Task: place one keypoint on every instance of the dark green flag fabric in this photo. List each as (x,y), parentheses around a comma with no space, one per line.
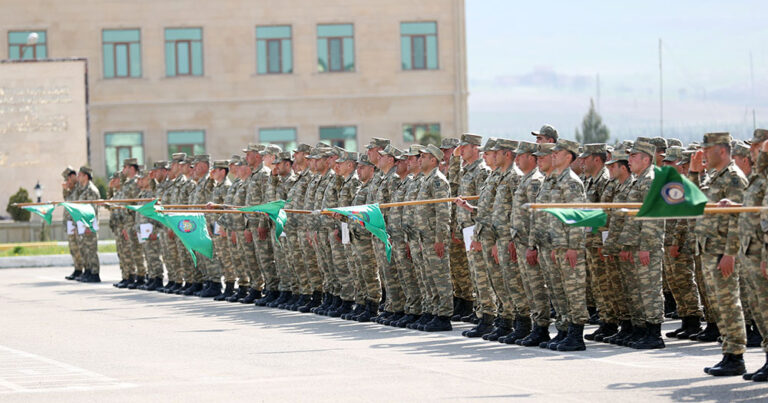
(370,217)
(45,211)
(81,212)
(275,212)
(672,196)
(579,218)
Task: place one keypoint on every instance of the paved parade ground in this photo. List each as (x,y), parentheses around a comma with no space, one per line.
(67,341)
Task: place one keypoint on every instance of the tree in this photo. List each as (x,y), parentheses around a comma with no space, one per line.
(433,138)
(17,213)
(592,128)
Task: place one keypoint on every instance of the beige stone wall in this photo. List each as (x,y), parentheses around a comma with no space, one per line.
(230,102)
(42,125)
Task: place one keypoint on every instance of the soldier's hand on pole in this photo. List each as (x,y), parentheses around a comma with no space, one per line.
(248,236)
(495,253)
(645,257)
(440,249)
(674,251)
(726,265)
(532,256)
(572,256)
(512,251)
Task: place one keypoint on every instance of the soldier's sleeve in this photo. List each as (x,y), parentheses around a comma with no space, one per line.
(442,211)
(454,171)
(250,195)
(735,193)
(631,227)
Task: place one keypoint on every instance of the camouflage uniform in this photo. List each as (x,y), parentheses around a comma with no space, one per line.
(206,269)
(500,301)
(221,243)
(597,269)
(460,277)
(182,189)
(249,275)
(256,188)
(300,252)
(366,275)
(337,264)
(133,250)
(388,272)
(752,249)
(320,227)
(88,241)
(74,250)
(346,274)
(412,238)
(404,263)
(611,288)
(226,221)
(152,247)
(288,281)
(314,272)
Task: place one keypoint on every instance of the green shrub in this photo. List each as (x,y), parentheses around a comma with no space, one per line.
(18,213)
(101,184)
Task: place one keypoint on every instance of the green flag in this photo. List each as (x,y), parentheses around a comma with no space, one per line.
(45,211)
(672,196)
(81,212)
(148,210)
(275,212)
(192,230)
(579,218)
(370,217)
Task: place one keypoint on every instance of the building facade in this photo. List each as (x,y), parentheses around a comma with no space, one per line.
(204,76)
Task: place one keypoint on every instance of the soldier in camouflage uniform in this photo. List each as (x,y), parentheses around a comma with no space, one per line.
(88,240)
(221,243)
(130,190)
(69,192)
(245,241)
(433,227)
(475,171)
(248,277)
(717,242)
(258,224)
(161,176)
(288,286)
(151,243)
(226,222)
(314,272)
(207,270)
(179,257)
(114,225)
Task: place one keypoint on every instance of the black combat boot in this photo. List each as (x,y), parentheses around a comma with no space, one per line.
(75,274)
(575,339)
(552,344)
(282,298)
(594,317)
(539,335)
(501,328)
(624,331)
(670,306)
(229,290)
(690,326)
(327,300)
(652,339)
(470,317)
(119,283)
(252,296)
(356,311)
(761,375)
(163,287)
(599,332)
(461,309)
(638,332)
(335,302)
(609,329)
(371,310)
(522,330)
(291,303)
(240,293)
(731,365)
(131,280)
(406,320)
(182,288)
(193,288)
(709,334)
(206,285)
(213,290)
(140,280)
(394,318)
(153,285)
(176,287)
(421,322)
(269,297)
(439,324)
(85,273)
(383,315)
(485,326)
(90,278)
(344,308)
(754,339)
(313,302)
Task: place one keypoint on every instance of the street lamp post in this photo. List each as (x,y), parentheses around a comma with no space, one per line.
(39,195)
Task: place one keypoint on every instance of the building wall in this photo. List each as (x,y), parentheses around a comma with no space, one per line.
(230,102)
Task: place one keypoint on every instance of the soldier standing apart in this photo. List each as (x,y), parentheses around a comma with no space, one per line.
(69,190)
(130,190)
(88,240)
(151,241)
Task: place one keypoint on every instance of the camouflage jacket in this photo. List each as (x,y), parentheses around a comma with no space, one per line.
(360,198)
(503,203)
(433,220)
(454,176)
(238,221)
(90,192)
(219,196)
(329,179)
(568,188)
(395,223)
(386,189)
(472,179)
(411,194)
(255,192)
(279,190)
(227,220)
(130,190)
(69,195)
(525,192)
(719,233)
(484,214)
(309,200)
(645,235)
(615,222)
(540,220)
(296,195)
(751,231)
(595,187)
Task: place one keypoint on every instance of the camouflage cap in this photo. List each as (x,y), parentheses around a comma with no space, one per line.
(414,150)
(235,159)
(685,157)
(303,148)
(563,144)
(643,147)
(202,158)
(470,138)
(68,171)
(618,155)
(178,157)
(609,148)
(526,147)
(659,142)
(160,165)
(713,139)
(759,136)
(489,144)
(674,142)
(378,142)
(115,175)
(254,147)
(338,151)
(391,150)
(284,156)
(223,164)
(674,153)
(86,170)
(740,149)
(432,149)
(271,149)
(364,160)
(130,161)
(593,148)
(449,142)
(544,149)
(506,144)
(347,156)
(322,145)
(626,145)
(547,131)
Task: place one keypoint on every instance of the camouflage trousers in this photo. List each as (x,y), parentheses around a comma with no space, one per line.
(121,257)
(221,247)
(135,252)
(725,292)
(615,295)
(512,282)
(313,278)
(649,286)
(266,256)
(574,285)
(460,277)
(88,245)
(438,276)
(152,252)
(170,257)
(390,279)
(748,298)
(505,306)
(753,278)
(285,280)
(629,280)
(323,253)
(590,296)
(484,302)
(534,285)
(555,287)
(185,260)
(238,260)
(681,279)
(367,270)
(347,276)
(407,275)
(248,275)
(426,286)
(74,250)
(295,269)
(605,285)
(338,265)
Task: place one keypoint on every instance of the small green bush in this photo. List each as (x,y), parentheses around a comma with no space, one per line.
(18,213)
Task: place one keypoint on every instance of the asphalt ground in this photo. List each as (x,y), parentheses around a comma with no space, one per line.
(65,341)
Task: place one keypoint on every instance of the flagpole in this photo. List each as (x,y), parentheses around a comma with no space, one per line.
(85,202)
(629,205)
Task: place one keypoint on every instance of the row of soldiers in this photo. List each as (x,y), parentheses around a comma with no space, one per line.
(517,269)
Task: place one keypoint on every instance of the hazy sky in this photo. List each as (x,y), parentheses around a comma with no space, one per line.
(537,62)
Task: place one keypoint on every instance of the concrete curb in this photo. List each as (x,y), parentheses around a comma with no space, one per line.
(16,262)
